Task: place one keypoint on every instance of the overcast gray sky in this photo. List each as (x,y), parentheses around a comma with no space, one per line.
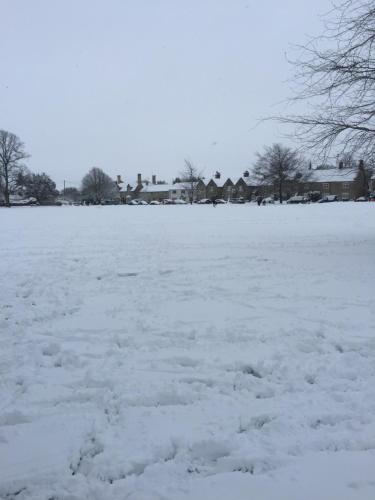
(137,86)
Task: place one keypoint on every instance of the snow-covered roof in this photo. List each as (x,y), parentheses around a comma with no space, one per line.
(249,181)
(161,188)
(333,175)
(156,188)
(182,185)
(219,182)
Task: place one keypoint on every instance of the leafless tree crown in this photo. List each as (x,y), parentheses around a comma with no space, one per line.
(12,152)
(97,185)
(279,165)
(335,75)
(190,177)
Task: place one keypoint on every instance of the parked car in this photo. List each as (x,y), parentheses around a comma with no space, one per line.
(179,201)
(220,201)
(167,201)
(137,202)
(268,201)
(110,202)
(328,199)
(313,196)
(204,201)
(296,200)
(361,198)
(155,202)
(237,201)
(18,202)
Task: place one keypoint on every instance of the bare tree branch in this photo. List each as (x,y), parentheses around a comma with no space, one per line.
(338,83)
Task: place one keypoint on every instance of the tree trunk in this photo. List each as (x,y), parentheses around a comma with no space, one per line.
(280,192)
(6,191)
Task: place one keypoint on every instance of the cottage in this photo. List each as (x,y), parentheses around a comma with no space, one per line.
(333,181)
(152,191)
(214,187)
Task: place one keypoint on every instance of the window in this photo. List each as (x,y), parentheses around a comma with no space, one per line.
(345,186)
(173,192)
(325,186)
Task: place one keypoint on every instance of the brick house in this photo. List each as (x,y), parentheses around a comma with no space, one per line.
(200,190)
(214,187)
(152,191)
(325,181)
(333,181)
(245,187)
(228,190)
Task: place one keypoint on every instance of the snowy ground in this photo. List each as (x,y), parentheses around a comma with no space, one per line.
(181,352)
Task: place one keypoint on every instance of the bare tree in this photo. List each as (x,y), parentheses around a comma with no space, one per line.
(12,152)
(335,75)
(280,166)
(190,177)
(97,185)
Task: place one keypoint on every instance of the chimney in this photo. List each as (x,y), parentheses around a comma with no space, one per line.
(119,181)
(246,173)
(154,179)
(217,175)
(139,179)
(341,165)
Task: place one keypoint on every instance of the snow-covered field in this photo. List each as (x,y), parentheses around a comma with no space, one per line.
(181,352)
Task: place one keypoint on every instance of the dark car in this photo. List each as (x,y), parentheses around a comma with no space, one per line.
(328,199)
(237,201)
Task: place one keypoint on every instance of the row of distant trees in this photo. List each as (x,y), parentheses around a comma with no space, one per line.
(16,178)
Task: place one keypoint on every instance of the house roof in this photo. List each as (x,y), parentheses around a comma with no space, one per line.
(219,182)
(163,188)
(333,175)
(249,181)
(156,188)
